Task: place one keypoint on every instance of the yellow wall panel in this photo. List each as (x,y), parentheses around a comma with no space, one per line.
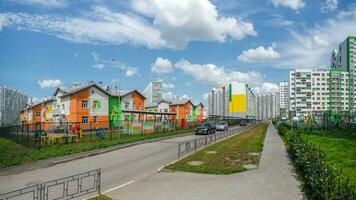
(238,103)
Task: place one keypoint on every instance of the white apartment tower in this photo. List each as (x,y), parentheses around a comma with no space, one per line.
(284,99)
(153,92)
(12,102)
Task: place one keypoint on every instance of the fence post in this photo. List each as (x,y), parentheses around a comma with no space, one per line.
(206,140)
(178,150)
(99,181)
(195,145)
(28,138)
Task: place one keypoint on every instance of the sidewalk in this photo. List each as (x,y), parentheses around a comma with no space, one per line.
(274,179)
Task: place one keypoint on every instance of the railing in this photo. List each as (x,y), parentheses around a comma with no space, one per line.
(60,189)
(188,146)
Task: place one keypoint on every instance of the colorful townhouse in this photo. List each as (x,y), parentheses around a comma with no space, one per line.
(183,110)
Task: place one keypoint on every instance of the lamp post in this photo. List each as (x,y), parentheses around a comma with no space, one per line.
(120,111)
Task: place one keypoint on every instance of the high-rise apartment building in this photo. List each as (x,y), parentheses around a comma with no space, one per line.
(343,59)
(284,99)
(12,102)
(268,106)
(153,92)
(235,99)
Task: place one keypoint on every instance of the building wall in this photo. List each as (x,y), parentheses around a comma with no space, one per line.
(12,102)
(163,107)
(76,109)
(98,102)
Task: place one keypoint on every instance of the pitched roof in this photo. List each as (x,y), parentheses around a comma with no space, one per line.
(75,90)
(132,91)
(181,102)
(163,100)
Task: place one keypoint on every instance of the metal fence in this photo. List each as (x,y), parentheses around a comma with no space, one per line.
(193,145)
(49,133)
(60,189)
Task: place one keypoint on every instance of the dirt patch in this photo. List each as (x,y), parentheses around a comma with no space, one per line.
(195,163)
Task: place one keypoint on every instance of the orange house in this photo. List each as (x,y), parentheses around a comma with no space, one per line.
(182,109)
(200,112)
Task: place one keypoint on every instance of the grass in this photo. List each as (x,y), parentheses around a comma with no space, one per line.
(12,153)
(340,151)
(231,154)
(101,197)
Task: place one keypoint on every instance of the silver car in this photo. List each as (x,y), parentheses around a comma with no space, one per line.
(222,126)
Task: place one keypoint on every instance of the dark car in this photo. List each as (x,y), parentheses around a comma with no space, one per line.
(222,126)
(243,123)
(205,129)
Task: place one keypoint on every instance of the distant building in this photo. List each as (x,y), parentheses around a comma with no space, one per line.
(283,99)
(153,92)
(268,106)
(12,102)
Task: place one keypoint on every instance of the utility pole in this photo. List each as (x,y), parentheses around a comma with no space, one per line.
(120,110)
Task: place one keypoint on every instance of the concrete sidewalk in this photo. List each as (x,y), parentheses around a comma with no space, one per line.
(274,179)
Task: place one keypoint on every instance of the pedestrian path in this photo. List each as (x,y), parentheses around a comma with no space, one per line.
(274,179)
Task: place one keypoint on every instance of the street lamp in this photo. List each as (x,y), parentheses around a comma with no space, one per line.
(120,69)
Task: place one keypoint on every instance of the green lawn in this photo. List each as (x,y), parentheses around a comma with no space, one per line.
(230,154)
(12,153)
(101,197)
(339,152)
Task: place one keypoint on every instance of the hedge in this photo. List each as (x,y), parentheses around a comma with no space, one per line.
(320,181)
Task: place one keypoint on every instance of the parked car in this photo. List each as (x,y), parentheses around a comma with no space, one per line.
(205,129)
(222,126)
(243,123)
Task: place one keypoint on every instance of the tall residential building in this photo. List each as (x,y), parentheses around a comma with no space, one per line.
(12,102)
(235,99)
(267,106)
(153,92)
(314,92)
(343,59)
(283,99)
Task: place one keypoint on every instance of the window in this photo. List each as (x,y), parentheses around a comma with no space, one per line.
(85,104)
(165,110)
(95,119)
(127,105)
(85,119)
(38,114)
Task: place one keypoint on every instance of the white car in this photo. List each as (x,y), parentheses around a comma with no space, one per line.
(222,126)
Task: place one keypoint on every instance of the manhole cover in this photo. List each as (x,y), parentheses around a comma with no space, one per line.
(249,166)
(253,154)
(211,152)
(195,163)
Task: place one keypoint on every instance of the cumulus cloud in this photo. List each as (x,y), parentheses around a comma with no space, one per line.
(266,88)
(162,66)
(215,76)
(168,86)
(131,71)
(151,23)
(43,3)
(329,5)
(179,22)
(259,54)
(293,4)
(49,83)
(312,48)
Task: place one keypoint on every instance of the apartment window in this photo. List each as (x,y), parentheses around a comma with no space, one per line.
(95,119)
(85,119)
(85,104)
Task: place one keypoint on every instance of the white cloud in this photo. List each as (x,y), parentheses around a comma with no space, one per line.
(266,88)
(2,21)
(49,83)
(293,4)
(99,25)
(329,5)
(312,48)
(215,76)
(205,96)
(131,71)
(278,21)
(98,66)
(151,23)
(259,54)
(185,96)
(162,66)
(179,22)
(95,56)
(168,86)
(43,3)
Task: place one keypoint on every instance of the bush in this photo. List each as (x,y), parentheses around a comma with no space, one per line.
(320,180)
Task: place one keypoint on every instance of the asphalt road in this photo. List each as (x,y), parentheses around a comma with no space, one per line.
(118,167)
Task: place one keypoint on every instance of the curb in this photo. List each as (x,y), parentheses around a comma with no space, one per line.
(63,159)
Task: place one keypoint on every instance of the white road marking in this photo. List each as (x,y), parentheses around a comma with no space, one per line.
(120,186)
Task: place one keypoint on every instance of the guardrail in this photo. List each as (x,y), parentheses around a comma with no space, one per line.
(60,189)
(188,146)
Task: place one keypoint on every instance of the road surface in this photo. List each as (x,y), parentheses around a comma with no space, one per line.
(118,167)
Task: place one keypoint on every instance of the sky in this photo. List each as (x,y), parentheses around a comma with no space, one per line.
(191,45)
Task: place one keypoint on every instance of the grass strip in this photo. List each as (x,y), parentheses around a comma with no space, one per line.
(12,153)
(227,156)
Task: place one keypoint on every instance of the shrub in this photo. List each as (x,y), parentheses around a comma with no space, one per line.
(320,180)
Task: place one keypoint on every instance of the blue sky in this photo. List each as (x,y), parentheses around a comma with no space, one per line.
(192,45)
